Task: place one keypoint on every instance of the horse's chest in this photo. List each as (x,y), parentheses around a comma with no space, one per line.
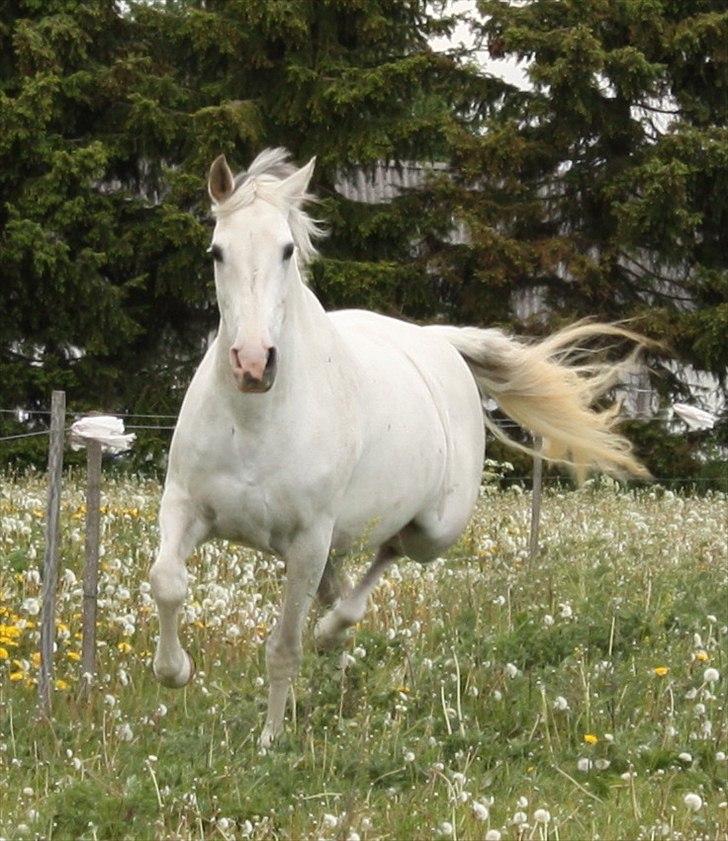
(241,508)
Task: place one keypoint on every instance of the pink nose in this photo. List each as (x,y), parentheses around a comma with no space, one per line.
(254,366)
(251,361)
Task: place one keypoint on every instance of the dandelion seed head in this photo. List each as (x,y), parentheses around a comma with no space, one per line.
(694,802)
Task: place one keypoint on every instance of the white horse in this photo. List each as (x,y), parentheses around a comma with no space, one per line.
(305,432)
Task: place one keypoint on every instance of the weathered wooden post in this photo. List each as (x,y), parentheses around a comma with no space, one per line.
(96,433)
(536,486)
(91,564)
(50,558)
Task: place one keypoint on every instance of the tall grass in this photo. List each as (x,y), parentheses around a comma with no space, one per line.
(581,697)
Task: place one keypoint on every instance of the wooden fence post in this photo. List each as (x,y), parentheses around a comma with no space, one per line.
(535,503)
(91,566)
(50,558)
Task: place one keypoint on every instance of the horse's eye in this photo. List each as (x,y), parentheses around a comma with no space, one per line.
(216,252)
(287,251)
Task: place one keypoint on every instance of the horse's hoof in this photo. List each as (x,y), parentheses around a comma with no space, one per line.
(177,680)
(331,631)
(267,737)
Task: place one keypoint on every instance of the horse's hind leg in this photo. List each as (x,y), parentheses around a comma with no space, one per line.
(334,584)
(181,530)
(331,629)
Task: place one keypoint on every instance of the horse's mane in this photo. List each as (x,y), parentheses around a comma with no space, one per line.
(268,169)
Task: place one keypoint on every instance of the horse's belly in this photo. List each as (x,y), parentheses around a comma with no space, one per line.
(423,449)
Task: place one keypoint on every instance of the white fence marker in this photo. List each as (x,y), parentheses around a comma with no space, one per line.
(695,418)
(50,558)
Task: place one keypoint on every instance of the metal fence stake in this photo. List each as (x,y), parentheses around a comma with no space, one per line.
(535,503)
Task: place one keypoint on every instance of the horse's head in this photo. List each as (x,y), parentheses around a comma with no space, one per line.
(260,232)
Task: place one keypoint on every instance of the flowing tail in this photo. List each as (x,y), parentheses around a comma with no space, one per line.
(549,387)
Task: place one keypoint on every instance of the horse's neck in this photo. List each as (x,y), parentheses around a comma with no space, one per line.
(305,344)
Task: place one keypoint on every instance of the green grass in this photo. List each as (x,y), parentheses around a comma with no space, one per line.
(449,698)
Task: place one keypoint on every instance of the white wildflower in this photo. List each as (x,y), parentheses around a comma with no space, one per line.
(445,828)
(330,821)
(685,757)
(583,764)
(561,704)
(542,816)
(511,670)
(694,802)
(481,811)
(492,835)
(124,732)
(519,818)
(711,675)
(31,607)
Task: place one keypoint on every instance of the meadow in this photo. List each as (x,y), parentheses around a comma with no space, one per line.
(580,696)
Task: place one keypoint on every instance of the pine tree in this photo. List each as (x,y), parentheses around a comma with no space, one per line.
(111,117)
(603,185)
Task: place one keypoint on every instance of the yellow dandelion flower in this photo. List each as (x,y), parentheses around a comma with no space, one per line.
(403,689)
(4,654)
(35,659)
(124,647)
(61,685)
(16,676)
(702,655)
(590,738)
(73,655)
(661,671)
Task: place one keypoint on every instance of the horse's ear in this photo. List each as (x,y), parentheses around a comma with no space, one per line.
(220,184)
(293,188)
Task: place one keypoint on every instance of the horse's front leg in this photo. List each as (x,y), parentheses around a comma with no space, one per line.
(305,562)
(181,529)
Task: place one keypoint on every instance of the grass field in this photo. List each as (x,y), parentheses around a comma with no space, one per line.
(584,697)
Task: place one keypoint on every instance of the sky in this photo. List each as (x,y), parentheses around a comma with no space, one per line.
(507,69)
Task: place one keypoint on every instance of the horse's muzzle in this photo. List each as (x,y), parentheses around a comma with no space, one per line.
(250,384)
